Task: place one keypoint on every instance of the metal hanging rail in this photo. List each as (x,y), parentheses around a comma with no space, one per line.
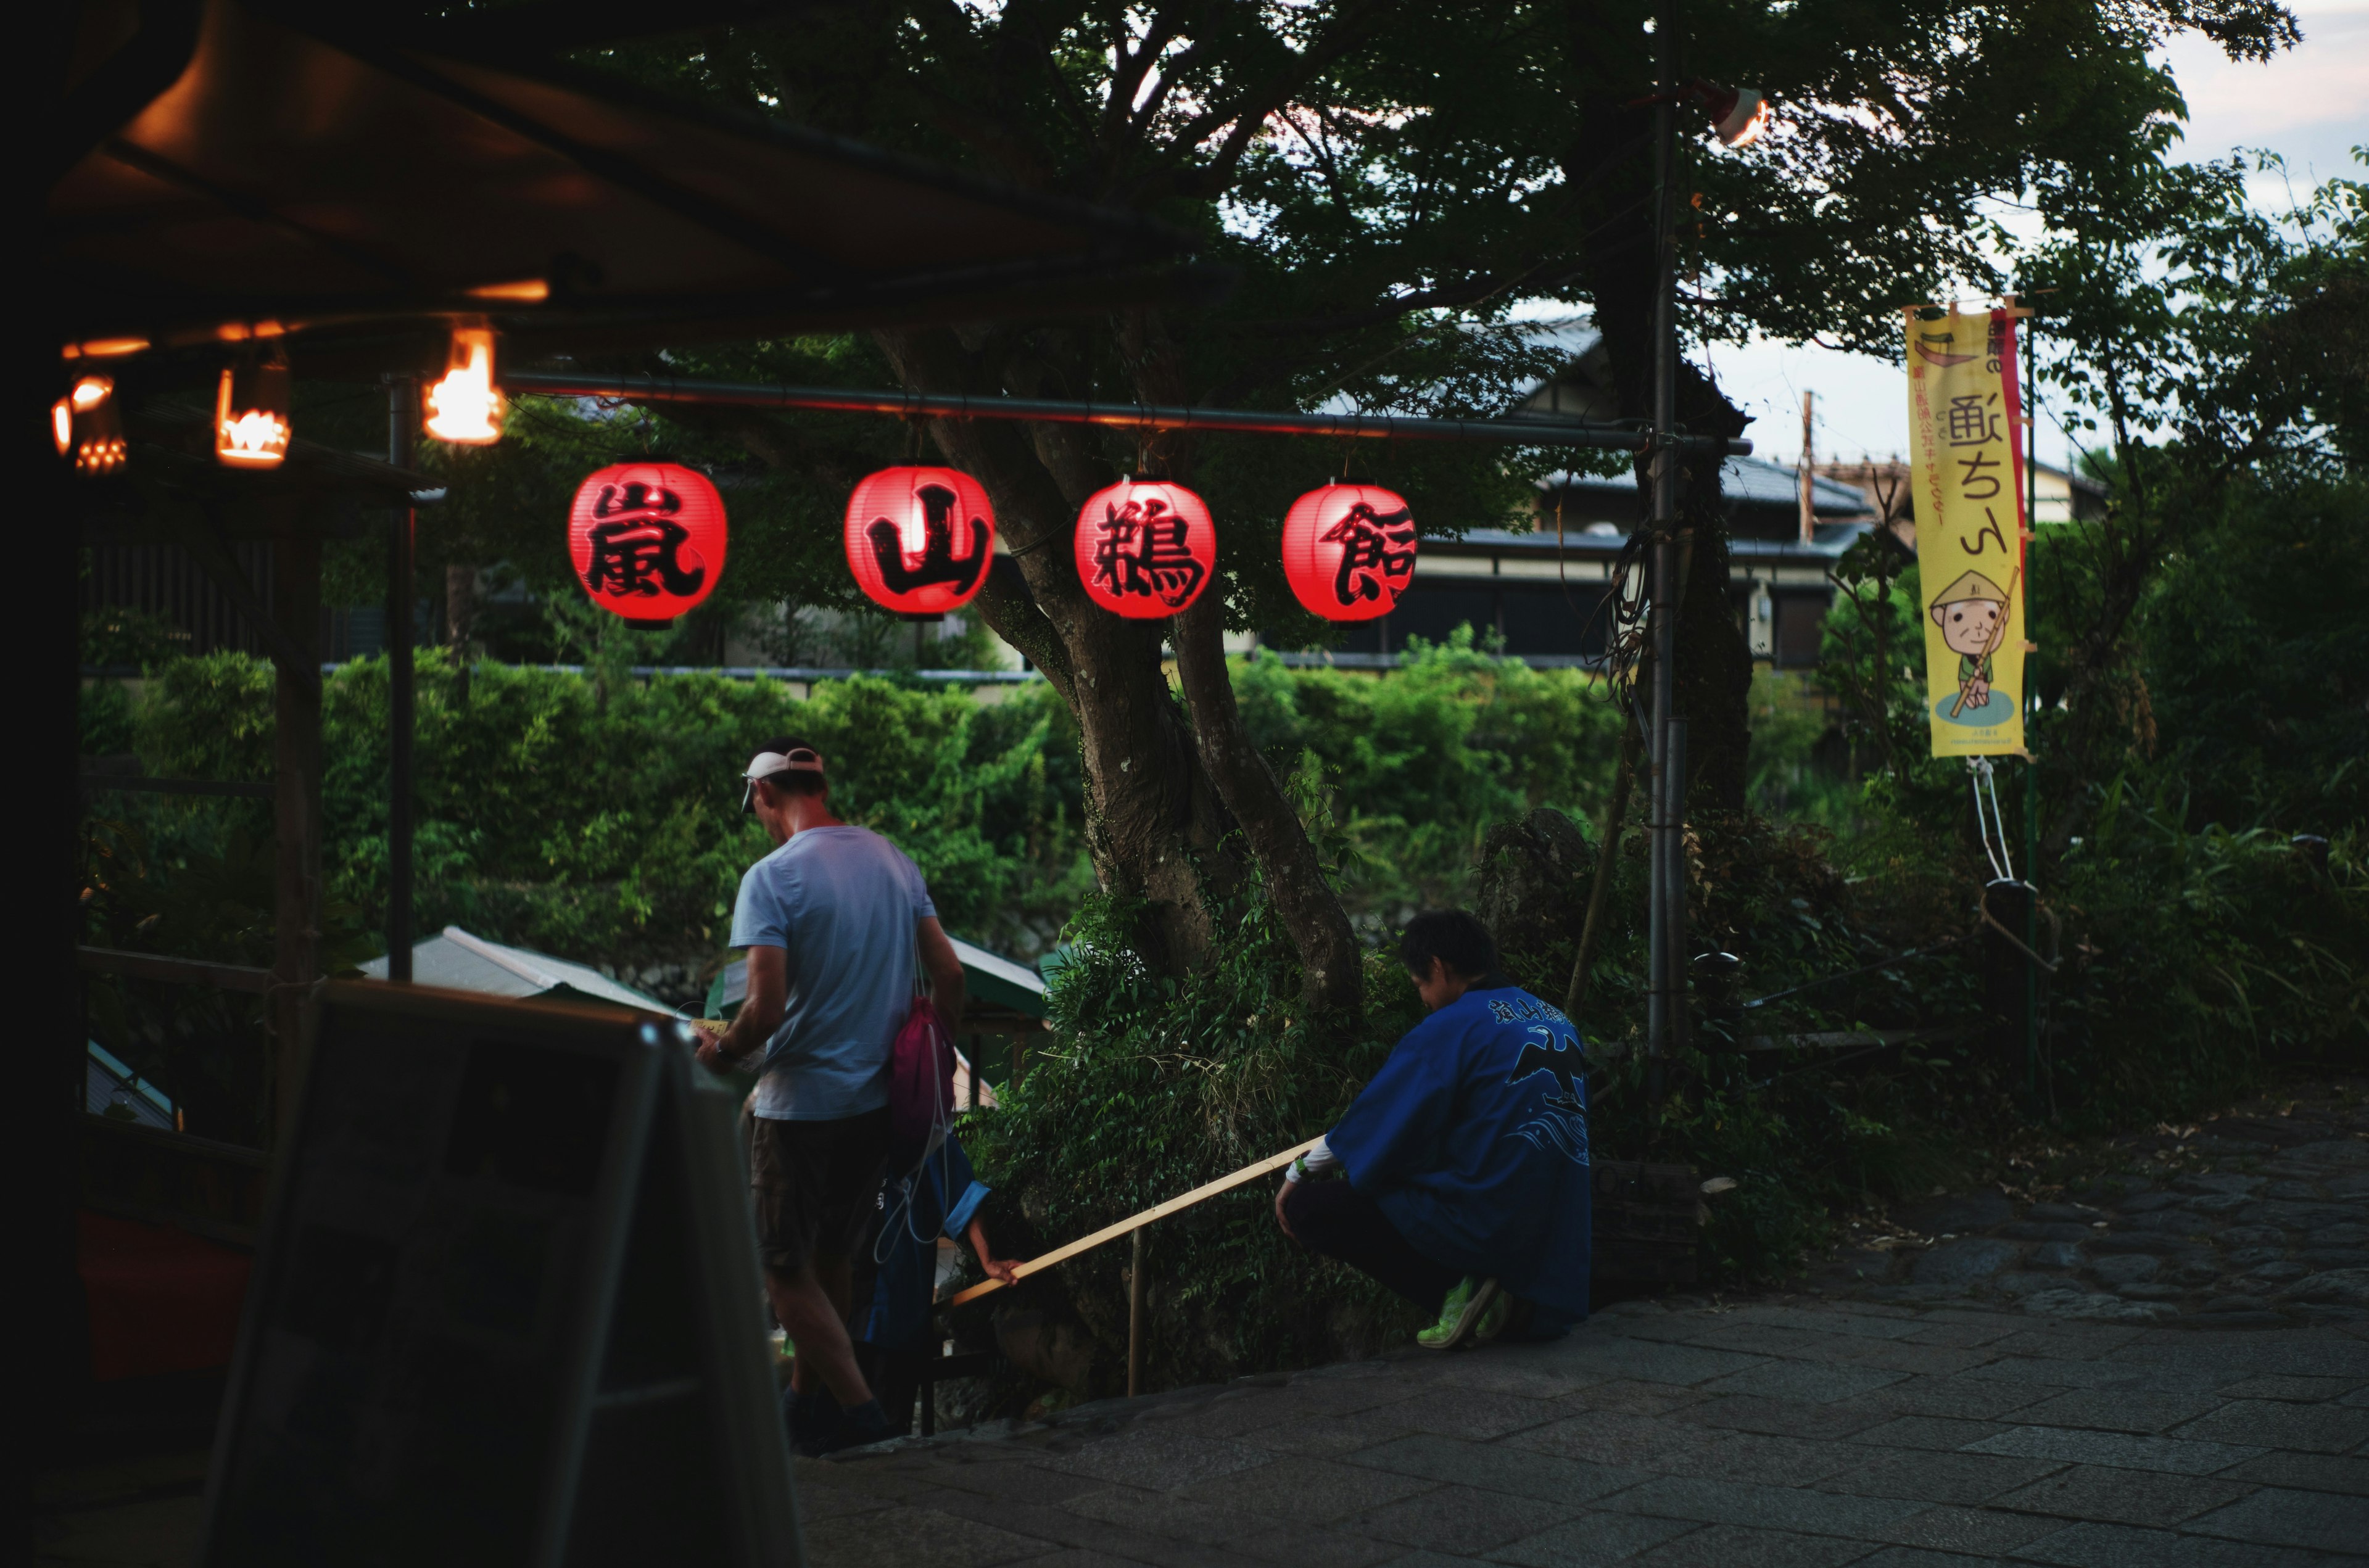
(1114,416)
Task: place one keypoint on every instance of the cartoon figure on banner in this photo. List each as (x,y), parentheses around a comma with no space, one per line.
(1973,613)
(1145,548)
(647,538)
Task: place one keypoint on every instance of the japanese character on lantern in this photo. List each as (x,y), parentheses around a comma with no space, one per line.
(1349,551)
(919,539)
(647,539)
(1145,548)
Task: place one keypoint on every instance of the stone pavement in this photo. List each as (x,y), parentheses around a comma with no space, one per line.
(1797,1433)
(2255,1218)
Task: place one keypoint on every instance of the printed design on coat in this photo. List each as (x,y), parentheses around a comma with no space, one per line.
(1562,1122)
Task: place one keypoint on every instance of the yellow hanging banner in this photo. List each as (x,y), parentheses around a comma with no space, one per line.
(1965,434)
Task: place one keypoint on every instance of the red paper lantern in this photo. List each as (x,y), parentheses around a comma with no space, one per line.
(647,539)
(1146,548)
(919,539)
(1349,551)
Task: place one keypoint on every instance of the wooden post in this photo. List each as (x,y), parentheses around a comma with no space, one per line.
(296,817)
(1135,1319)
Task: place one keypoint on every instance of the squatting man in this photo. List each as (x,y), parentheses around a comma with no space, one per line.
(1463,1167)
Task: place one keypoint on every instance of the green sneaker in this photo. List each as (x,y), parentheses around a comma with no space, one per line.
(1466,1305)
(1494,1318)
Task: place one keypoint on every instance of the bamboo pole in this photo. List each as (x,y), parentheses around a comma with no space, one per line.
(1137,1221)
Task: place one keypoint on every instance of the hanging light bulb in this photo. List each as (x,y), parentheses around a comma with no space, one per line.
(86,425)
(465,407)
(251,422)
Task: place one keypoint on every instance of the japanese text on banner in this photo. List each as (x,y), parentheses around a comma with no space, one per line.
(1965,432)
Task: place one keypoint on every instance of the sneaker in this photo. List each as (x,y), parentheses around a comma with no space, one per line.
(813,1420)
(1459,1315)
(860,1424)
(1495,1317)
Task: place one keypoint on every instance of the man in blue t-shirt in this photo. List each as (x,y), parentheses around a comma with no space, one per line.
(1466,1155)
(832,921)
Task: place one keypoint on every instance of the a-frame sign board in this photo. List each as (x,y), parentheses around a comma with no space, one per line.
(505,1309)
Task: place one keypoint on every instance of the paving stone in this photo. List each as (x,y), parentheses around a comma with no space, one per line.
(1643,1361)
(1633,1398)
(1305,1546)
(1161,1514)
(2247,1257)
(1598,1541)
(1022,1481)
(2216,1205)
(2060,1254)
(1963,1262)
(2321,1521)
(1938,1478)
(2310,1473)
(1784,1418)
(1608,1437)
(1477,1415)
(1776,1507)
(2119,1545)
(2302,1389)
(1939,1433)
(1807,1381)
(2121,1496)
(2148,1202)
(1160,1460)
(1497,1468)
(1078,1557)
(2252,1236)
(2336,1259)
(1309,1491)
(1976,1530)
(1847,1319)
(1057,1527)
(2349,1287)
(1460,1520)
(2083,1212)
(902,1537)
(2313,1428)
(1919,1557)
(2116,1410)
(2149,1292)
(1774,1462)
(1961,1398)
(2117,1450)
(1326,1435)
(1729,1546)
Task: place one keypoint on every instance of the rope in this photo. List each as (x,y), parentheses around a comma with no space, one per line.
(1983,904)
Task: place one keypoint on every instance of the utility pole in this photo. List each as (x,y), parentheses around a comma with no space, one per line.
(1809,466)
(1666,996)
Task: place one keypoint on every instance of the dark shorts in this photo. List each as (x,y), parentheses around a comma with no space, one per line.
(817,1185)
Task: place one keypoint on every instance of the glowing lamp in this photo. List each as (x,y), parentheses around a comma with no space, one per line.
(251,424)
(919,539)
(465,407)
(647,540)
(1146,548)
(86,427)
(1738,115)
(1349,551)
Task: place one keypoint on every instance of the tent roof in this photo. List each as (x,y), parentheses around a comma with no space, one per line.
(458,961)
(993,982)
(307,166)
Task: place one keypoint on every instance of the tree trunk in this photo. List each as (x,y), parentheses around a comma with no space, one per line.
(1165,792)
(1155,826)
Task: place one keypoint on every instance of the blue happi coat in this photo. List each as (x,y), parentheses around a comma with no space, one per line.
(1472,1139)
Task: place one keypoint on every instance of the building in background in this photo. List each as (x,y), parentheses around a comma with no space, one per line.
(1543,591)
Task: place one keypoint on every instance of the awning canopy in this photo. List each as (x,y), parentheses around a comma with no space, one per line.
(460,961)
(314,171)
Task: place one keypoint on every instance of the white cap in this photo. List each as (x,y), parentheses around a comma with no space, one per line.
(765,764)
